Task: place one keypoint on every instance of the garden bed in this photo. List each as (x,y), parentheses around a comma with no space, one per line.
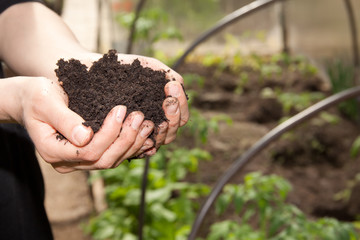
(315,157)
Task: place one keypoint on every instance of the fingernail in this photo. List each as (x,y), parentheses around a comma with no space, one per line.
(80,134)
(136,122)
(145,131)
(120,114)
(174,90)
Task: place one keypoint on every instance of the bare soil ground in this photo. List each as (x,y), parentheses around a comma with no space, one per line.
(314,158)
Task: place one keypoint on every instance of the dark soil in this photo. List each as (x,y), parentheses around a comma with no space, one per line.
(93,93)
(314,157)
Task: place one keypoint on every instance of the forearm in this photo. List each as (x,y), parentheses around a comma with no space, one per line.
(33,38)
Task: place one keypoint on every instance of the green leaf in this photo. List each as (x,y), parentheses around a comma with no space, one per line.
(106,231)
(159,211)
(160,195)
(129,236)
(132,197)
(222,203)
(354,152)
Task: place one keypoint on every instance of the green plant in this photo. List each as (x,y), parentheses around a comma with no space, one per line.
(170,202)
(345,194)
(192,79)
(265,215)
(191,16)
(242,82)
(298,101)
(342,77)
(151,27)
(355,148)
(199,126)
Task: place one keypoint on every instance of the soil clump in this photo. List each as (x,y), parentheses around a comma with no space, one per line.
(93,93)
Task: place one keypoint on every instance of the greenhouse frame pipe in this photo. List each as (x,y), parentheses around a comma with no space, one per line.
(224,22)
(138,9)
(353,30)
(264,142)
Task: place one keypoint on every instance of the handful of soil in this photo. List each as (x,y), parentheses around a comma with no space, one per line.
(93,93)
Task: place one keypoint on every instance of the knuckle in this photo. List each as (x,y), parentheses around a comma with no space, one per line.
(63,170)
(91,156)
(174,124)
(183,121)
(48,159)
(169,139)
(101,165)
(128,139)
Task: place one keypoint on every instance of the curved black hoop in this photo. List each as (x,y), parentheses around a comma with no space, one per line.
(221,24)
(264,142)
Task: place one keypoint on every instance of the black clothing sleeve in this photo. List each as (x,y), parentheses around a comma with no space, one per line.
(22,211)
(4,4)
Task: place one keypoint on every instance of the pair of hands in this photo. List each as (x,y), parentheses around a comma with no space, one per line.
(44,113)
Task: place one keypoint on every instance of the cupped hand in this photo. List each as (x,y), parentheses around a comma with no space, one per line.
(45,114)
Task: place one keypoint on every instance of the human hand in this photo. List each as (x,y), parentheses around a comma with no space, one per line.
(43,111)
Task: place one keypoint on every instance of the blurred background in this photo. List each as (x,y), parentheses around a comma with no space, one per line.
(318,31)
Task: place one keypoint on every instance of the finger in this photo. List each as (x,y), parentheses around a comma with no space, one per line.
(148,153)
(68,123)
(161,134)
(148,144)
(145,130)
(175,89)
(54,150)
(60,168)
(107,134)
(139,144)
(174,76)
(47,142)
(66,167)
(123,143)
(172,113)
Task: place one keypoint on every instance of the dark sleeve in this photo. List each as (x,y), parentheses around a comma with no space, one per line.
(4,4)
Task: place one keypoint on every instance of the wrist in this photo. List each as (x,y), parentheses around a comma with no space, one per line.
(11,90)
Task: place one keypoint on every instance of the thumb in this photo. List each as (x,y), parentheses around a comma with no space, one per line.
(69,124)
(80,135)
